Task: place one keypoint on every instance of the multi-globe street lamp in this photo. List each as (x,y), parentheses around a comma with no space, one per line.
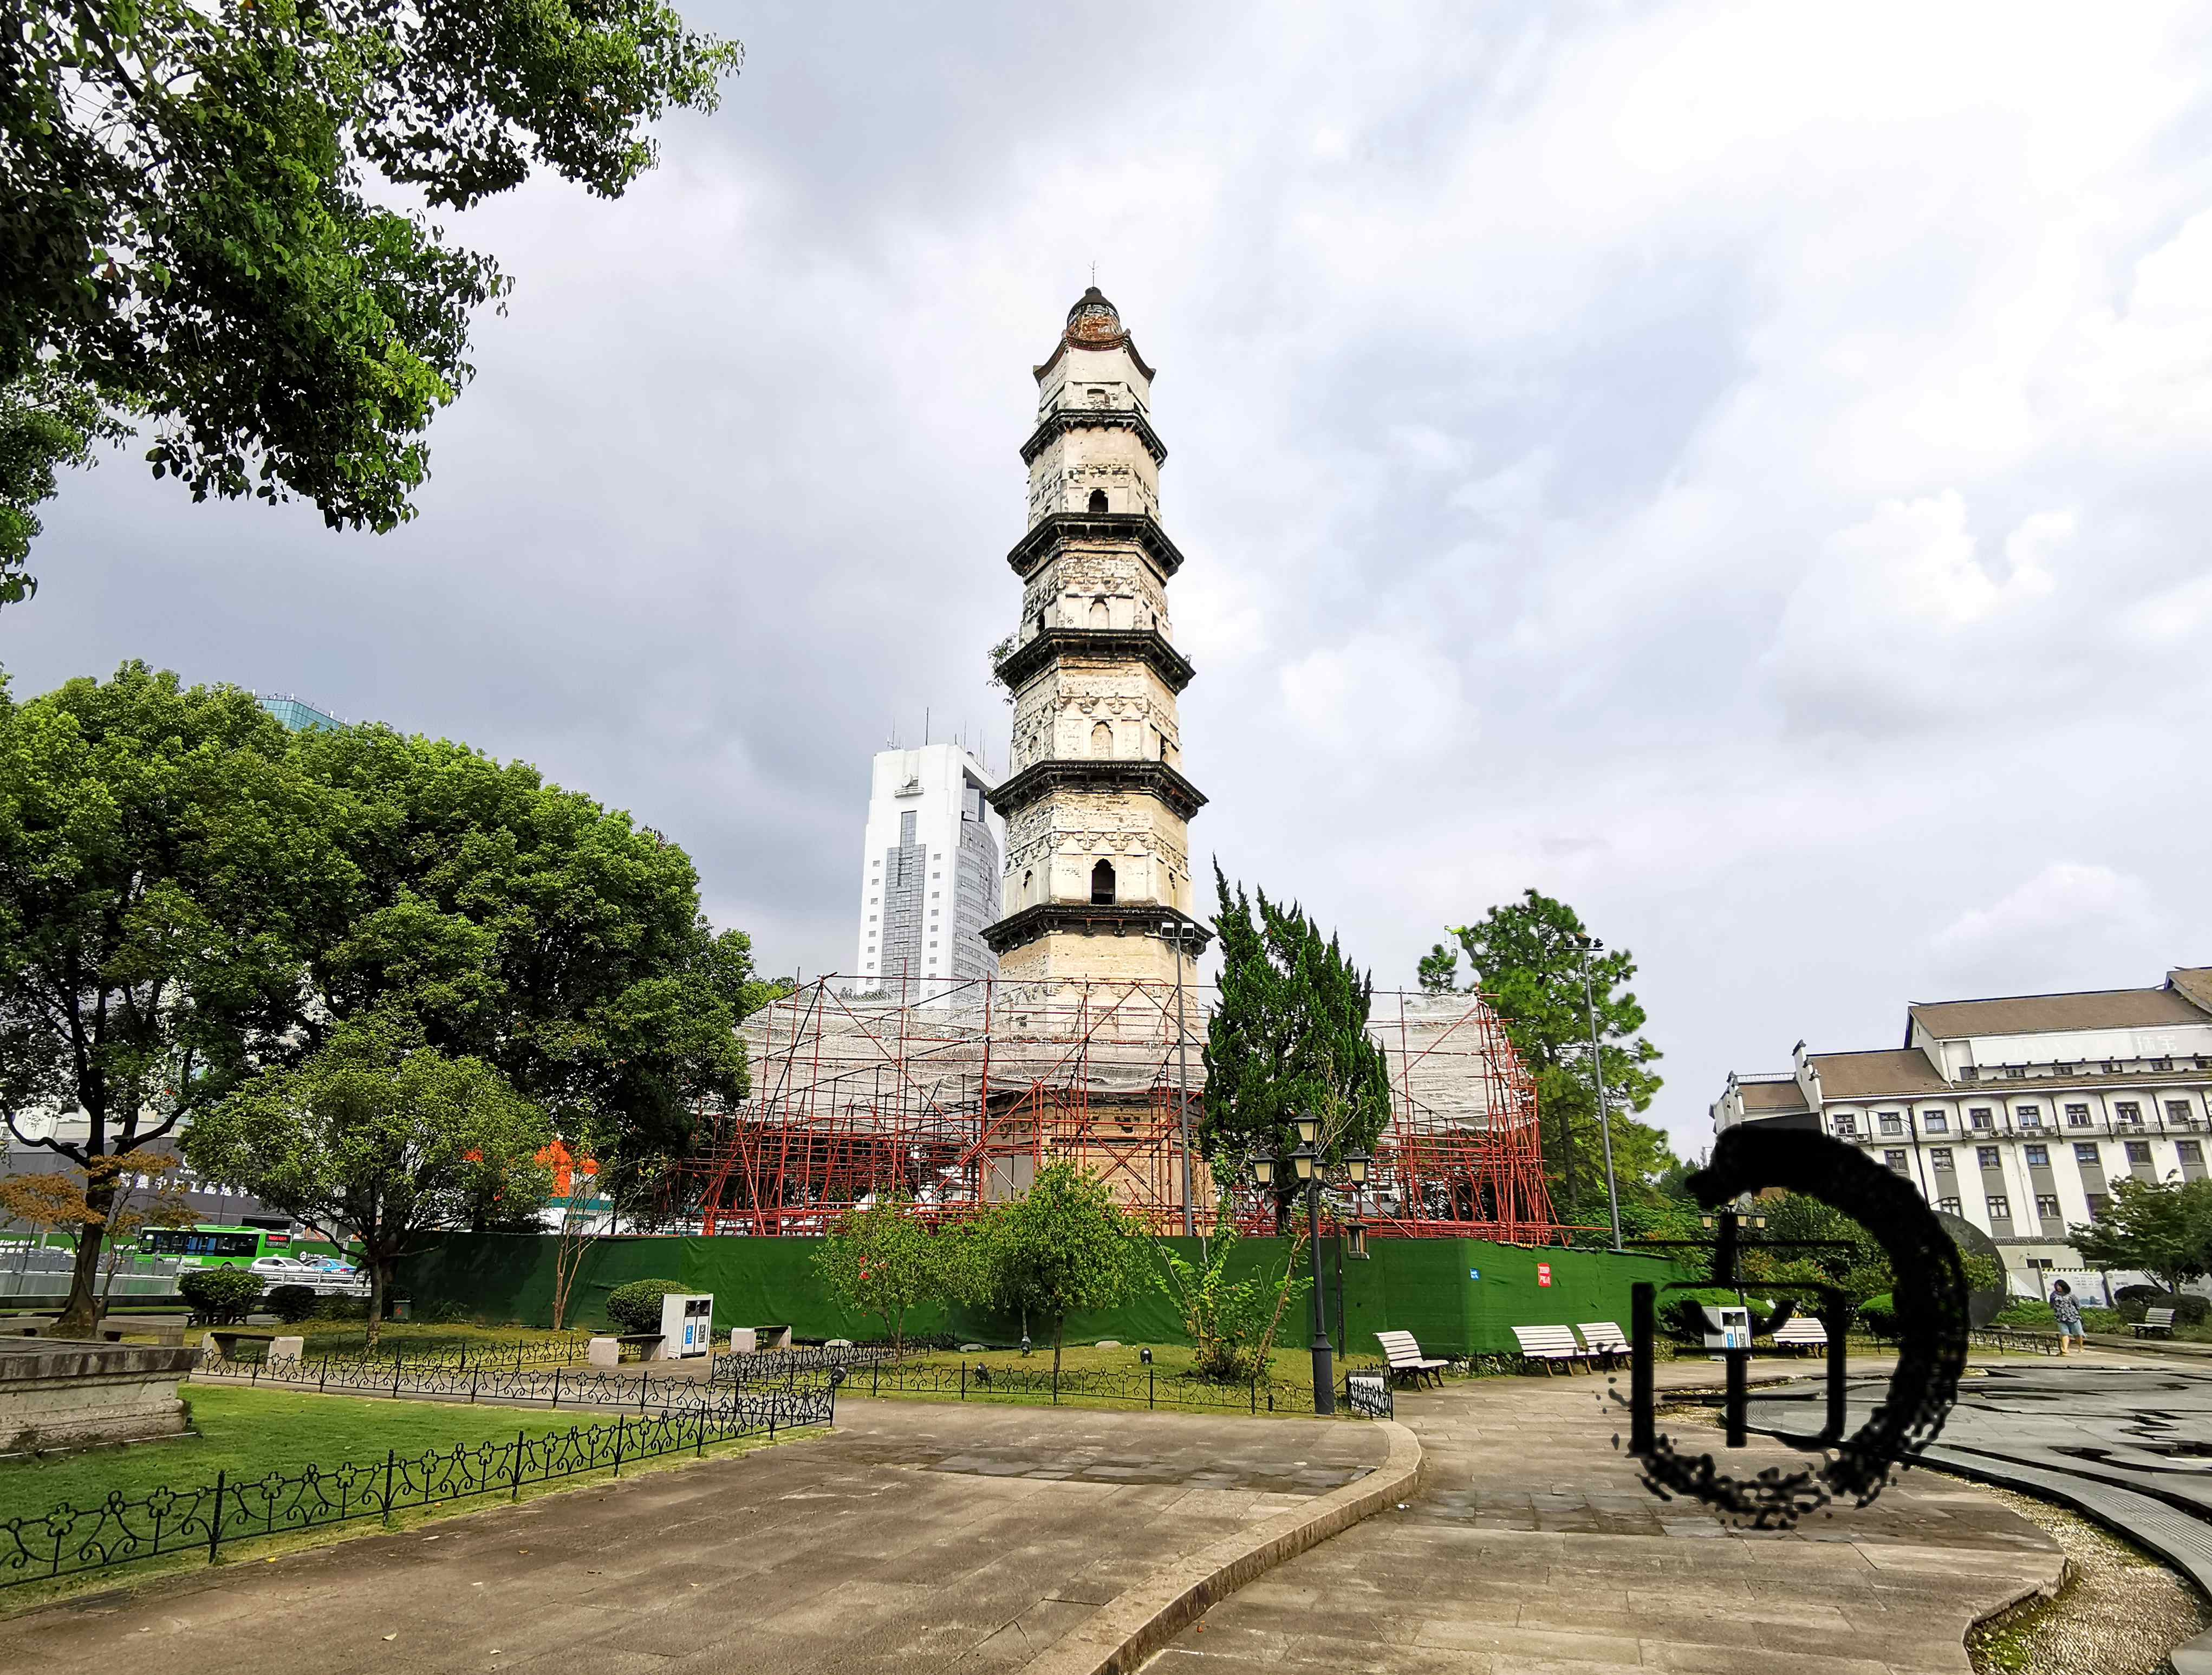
(1304,1162)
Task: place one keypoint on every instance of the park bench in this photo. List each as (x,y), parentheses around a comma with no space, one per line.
(1604,1337)
(1802,1331)
(227,1338)
(2155,1323)
(1405,1359)
(1549,1345)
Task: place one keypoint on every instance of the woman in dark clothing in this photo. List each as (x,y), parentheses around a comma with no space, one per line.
(2069,1315)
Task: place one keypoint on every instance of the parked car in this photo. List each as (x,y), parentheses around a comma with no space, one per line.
(323,1280)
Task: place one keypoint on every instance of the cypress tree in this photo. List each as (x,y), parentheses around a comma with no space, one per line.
(1288,1038)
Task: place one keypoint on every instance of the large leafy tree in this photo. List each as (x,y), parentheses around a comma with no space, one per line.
(1526,961)
(512,921)
(162,861)
(207,230)
(1288,1038)
(2162,1227)
(1063,1247)
(381,1138)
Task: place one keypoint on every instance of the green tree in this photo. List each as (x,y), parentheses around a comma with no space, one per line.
(1232,1322)
(1063,1247)
(378,1136)
(205,230)
(514,921)
(881,1260)
(1288,1037)
(2162,1227)
(1526,961)
(162,862)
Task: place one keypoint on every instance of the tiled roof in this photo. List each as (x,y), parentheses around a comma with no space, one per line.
(2036,1015)
(1772,1096)
(1896,1071)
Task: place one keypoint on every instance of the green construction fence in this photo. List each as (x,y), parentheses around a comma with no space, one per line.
(1457,1296)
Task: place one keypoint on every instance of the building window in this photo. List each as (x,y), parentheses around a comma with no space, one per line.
(1102,740)
(1895,1160)
(1986,1156)
(2077,1116)
(2138,1151)
(1935,1122)
(2000,1207)
(1978,1118)
(2085,1154)
(2062,1069)
(1102,885)
(2099,1203)
(2129,1110)
(2190,1151)
(2162,1064)
(1968,1073)
(1098,500)
(2030,1116)
(2038,1157)
(1941,1157)
(2046,1206)
(1948,1206)
(1848,1126)
(1891,1123)
(2177,1111)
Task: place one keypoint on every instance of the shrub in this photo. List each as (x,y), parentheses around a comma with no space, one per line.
(1879,1315)
(2136,1300)
(292,1303)
(448,1312)
(635,1308)
(1683,1313)
(341,1308)
(219,1296)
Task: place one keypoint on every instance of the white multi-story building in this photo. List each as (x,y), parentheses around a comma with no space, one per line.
(929,875)
(2015,1113)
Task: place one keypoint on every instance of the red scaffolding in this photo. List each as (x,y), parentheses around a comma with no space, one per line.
(955,1102)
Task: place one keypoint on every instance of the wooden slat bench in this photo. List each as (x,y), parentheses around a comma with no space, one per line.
(1604,1337)
(1405,1359)
(1802,1331)
(1549,1345)
(2155,1323)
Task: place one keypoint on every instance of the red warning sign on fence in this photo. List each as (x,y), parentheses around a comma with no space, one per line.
(1543,1273)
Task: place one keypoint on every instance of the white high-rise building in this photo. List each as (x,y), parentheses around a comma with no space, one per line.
(929,875)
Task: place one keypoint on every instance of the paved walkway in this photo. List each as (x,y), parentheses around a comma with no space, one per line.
(1533,1550)
(917,1536)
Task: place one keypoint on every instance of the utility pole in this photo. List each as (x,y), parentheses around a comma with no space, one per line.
(1589,945)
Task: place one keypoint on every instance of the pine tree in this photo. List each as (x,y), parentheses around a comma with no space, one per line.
(1289,1038)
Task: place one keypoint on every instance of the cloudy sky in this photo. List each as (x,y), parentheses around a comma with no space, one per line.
(1740,469)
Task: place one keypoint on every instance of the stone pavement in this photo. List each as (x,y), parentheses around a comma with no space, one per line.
(1533,1550)
(916,1536)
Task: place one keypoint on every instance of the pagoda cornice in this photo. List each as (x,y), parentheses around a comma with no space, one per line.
(1060,529)
(1141,778)
(1062,420)
(1113,645)
(1094,919)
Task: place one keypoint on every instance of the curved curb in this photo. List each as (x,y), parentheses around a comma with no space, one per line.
(1136,1622)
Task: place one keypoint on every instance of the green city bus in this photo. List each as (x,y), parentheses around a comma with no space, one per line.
(213,1247)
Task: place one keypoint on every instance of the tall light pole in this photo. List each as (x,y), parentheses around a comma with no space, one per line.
(1305,1162)
(1590,945)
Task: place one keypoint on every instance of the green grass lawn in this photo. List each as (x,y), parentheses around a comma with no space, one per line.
(249,1431)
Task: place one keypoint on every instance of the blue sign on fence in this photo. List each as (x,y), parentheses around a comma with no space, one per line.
(1474,1273)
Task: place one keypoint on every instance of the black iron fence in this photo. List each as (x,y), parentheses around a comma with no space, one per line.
(566,1350)
(123,1530)
(1143,1387)
(756,1366)
(514,1386)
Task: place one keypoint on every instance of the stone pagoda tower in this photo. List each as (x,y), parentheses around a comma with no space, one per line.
(1098,883)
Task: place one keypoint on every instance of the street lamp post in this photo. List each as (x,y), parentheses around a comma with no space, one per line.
(1304,1161)
(1590,945)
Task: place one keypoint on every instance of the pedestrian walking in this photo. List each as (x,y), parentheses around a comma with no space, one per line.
(2068,1313)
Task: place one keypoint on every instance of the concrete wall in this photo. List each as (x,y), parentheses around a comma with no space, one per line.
(59,1393)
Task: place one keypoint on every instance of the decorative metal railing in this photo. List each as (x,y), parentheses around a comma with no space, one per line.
(512,1386)
(123,1530)
(566,1350)
(1142,1386)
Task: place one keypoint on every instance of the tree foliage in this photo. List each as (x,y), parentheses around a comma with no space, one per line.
(2162,1227)
(883,1261)
(1062,1248)
(1526,958)
(380,1137)
(162,864)
(1288,1037)
(207,230)
(1230,1323)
